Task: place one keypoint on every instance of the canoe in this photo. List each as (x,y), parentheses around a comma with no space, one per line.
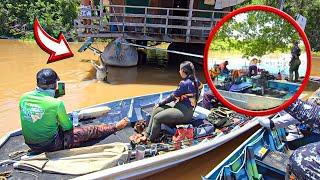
(134,108)
(257,102)
(264,155)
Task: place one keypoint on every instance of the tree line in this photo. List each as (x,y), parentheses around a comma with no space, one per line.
(17,17)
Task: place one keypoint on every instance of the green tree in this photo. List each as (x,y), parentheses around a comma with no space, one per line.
(258,33)
(17,16)
(308,8)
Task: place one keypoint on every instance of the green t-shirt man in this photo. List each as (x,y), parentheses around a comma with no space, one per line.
(41,115)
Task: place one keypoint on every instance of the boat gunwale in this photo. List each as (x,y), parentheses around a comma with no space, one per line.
(225,160)
(161,161)
(183,154)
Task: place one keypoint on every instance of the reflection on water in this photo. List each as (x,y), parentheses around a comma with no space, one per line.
(118,75)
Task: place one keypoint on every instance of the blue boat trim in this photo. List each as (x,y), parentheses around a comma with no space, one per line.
(263,155)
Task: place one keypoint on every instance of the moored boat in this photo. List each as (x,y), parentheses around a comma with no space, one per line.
(135,108)
(117,53)
(262,156)
(265,94)
(280,91)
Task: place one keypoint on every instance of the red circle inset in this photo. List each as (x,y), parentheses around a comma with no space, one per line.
(215,30)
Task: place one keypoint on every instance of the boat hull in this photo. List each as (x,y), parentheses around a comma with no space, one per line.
(119,54)
(251,101)
(134,109)
(256,102)
(158,163)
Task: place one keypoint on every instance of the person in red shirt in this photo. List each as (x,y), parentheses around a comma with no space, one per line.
(223,68)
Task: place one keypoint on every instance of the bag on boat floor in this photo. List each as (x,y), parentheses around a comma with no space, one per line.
(183,134)
(204,130)
(240,87)
(77,161)
(219,119)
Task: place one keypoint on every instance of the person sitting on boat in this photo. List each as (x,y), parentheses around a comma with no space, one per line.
(253,68)
(45,124)
(223,68)
(214,72)
(304,163)
(236,75)
(185,99)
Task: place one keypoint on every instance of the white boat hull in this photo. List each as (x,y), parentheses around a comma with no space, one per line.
(158,163)
(251,101)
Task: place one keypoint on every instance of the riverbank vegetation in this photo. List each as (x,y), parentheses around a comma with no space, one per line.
(256,33)
(17,17)
(306,8)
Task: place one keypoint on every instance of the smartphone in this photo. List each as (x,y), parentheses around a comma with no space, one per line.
(61,90)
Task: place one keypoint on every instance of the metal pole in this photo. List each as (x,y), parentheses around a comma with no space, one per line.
(101,15)
(170,51)
(189,20)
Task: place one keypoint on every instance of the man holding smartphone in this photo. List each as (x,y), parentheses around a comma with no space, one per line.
(45,123)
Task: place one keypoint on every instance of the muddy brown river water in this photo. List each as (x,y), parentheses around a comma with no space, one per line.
(20,61)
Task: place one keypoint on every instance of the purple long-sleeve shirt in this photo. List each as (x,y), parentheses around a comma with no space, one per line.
(185,91)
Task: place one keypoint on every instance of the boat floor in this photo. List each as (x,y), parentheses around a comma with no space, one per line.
(15,144)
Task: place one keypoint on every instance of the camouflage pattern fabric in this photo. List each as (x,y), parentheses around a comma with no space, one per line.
(306,112)
(315,98)
(304,163)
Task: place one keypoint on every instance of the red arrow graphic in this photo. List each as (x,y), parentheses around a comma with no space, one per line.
(57,48)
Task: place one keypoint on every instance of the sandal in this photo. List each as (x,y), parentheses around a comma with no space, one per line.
(218,113)
(226,111)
